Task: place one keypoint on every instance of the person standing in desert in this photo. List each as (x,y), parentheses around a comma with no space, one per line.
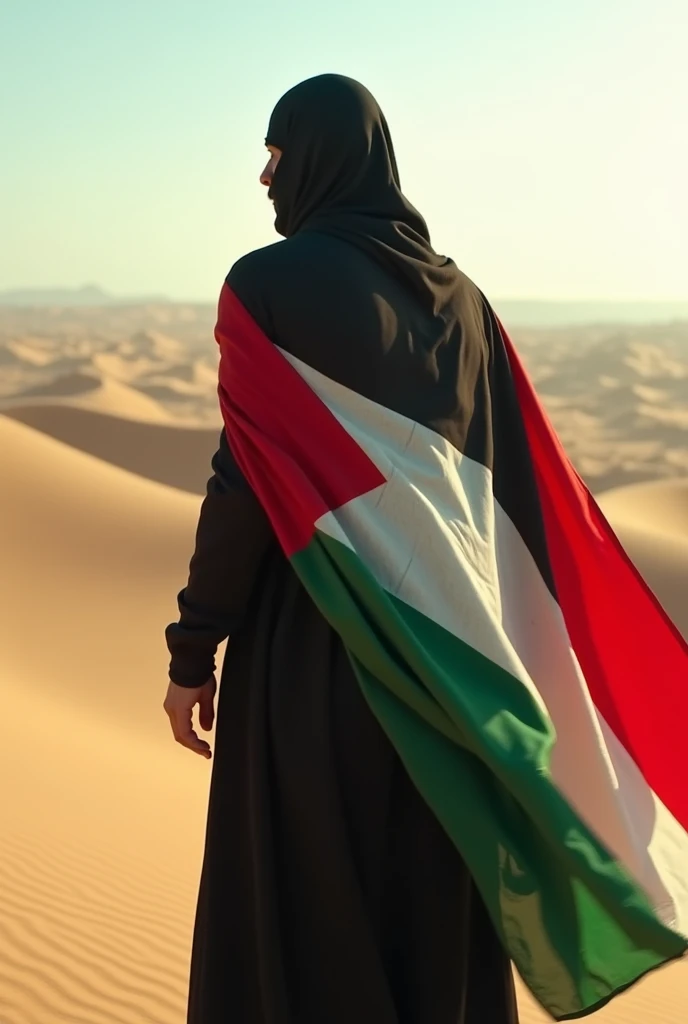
(383,542)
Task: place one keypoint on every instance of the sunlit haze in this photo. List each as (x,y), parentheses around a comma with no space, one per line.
(544,142)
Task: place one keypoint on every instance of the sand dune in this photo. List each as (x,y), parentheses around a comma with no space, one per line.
(100,846)
(617,396)
(87,390)
(144,352)
(137,369)
(146,375)
(8,357)
(651,520)
(167,389)
(125,428)
(103,820)
(68,386)
(659,507)
(617,393)
(92,559)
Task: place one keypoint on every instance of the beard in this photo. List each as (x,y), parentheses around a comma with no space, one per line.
(275,209)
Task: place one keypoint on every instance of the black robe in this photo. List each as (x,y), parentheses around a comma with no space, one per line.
(325,881)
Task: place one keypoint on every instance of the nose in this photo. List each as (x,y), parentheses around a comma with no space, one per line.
(266,175)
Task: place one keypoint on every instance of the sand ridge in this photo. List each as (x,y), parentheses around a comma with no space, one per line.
(160,450)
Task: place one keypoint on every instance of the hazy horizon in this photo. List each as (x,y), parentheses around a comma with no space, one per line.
(519,312)
(542,145)
(106,292)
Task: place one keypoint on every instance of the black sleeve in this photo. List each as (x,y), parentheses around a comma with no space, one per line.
(232,537)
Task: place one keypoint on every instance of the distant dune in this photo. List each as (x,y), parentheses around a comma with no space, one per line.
(68,386)
(166,388)
(617,397)
(663,506)
(130,363)
(87,295)
(651,521)
(514,312)
(164,452)
(534,313)
(87,391)
(119,424)
(617,394)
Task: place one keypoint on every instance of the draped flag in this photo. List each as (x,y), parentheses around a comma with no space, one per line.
(529,680)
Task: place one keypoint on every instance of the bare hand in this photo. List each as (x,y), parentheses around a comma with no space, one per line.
(179,704)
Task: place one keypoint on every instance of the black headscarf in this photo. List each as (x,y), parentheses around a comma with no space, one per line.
(358,293)
(338,175)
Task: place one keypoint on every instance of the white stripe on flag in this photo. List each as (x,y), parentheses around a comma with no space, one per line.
(435,538)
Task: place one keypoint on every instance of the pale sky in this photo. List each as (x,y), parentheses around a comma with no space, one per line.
(545,141)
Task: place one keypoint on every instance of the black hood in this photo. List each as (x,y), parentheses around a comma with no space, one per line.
(338,175)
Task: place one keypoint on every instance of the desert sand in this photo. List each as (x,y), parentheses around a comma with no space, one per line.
(103,814)
(617,394)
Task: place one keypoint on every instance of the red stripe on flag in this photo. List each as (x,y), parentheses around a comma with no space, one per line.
(283,437)
(633,657)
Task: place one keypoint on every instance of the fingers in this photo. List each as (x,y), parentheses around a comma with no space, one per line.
(179,704)
(206,713)
(183,732)
(206,704)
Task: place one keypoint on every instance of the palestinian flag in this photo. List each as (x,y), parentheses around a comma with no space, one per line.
(531,683)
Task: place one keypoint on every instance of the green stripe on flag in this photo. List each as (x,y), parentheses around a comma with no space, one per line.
(477,745)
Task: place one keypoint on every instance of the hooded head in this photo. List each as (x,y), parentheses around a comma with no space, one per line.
(337,174)
(337,156)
